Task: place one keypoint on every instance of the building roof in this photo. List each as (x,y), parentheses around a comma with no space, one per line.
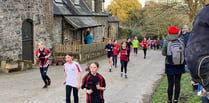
(112,19)
(67,8)
(81,22)
(60,9)
(80,9)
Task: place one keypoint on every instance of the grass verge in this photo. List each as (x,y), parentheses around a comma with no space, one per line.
(186,95)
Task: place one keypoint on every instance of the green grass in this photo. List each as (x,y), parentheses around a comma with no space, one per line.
(186,94)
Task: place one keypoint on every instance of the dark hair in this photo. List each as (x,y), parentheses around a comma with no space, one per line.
(122,43)
(114,40)
(88,65)
(87,32)
(69,54)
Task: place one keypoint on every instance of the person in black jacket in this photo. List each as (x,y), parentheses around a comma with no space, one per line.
(94,84)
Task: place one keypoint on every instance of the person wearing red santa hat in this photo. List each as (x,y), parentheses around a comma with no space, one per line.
(173,72)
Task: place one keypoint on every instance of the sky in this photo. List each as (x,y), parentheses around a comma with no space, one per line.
(107,2)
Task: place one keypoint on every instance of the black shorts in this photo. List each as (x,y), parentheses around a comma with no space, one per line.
(109,55)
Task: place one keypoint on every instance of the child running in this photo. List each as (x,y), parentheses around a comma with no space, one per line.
(115,53)
(109,48)
(72,77)
(135,46)
(93,84)
(145,44)
(123,55)
(129,45)
(43,54)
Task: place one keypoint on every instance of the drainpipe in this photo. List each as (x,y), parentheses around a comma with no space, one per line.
(62,35)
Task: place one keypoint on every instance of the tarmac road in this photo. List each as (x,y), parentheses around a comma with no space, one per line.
(26,87)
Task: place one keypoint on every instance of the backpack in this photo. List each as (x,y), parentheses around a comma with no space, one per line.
(197,49)
(175,52)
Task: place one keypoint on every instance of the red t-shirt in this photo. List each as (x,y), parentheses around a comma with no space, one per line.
(124,54)
(115,51)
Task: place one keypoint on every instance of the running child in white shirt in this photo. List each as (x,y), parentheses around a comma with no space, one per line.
(72,77)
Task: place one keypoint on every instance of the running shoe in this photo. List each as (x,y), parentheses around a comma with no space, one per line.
(49,82)
(45,86)
(126,76)
(121,75)
(110,70)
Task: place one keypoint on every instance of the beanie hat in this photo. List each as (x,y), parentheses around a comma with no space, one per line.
(173,30)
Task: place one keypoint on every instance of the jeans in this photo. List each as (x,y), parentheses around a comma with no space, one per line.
(44,75)
(68,93)
(115,57)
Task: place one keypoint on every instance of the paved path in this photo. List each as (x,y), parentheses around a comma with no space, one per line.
(25,87)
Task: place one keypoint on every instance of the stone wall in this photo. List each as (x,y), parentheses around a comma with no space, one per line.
(113,30)
(103,30)
(12,15)
(98,34)
(57,30)
(98,5)
(67,33)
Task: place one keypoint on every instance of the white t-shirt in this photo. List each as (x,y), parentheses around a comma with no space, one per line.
(72,73)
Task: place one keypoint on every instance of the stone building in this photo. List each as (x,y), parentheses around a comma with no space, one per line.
(73,17)
(113,26)
(24,23)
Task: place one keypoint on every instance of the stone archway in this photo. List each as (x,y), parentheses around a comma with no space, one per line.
(27,40)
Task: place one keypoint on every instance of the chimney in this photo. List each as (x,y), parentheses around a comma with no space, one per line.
(77,2)
(103,6)
(93,5)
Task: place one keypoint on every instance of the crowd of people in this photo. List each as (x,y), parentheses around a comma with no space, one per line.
(174,46)
(93,83)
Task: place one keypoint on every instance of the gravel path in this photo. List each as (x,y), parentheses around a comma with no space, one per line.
(26,87)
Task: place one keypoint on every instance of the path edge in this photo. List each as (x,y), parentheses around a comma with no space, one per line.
(148,97)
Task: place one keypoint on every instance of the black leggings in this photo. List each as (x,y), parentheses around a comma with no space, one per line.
(44,75)
(145,52)
(129,51)
(135,50)
(173,80)
(124,65)
(68,93)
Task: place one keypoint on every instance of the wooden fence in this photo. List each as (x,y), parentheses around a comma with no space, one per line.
(82,52)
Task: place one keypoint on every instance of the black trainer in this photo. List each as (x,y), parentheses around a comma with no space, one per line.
(49,82)
(45,86)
